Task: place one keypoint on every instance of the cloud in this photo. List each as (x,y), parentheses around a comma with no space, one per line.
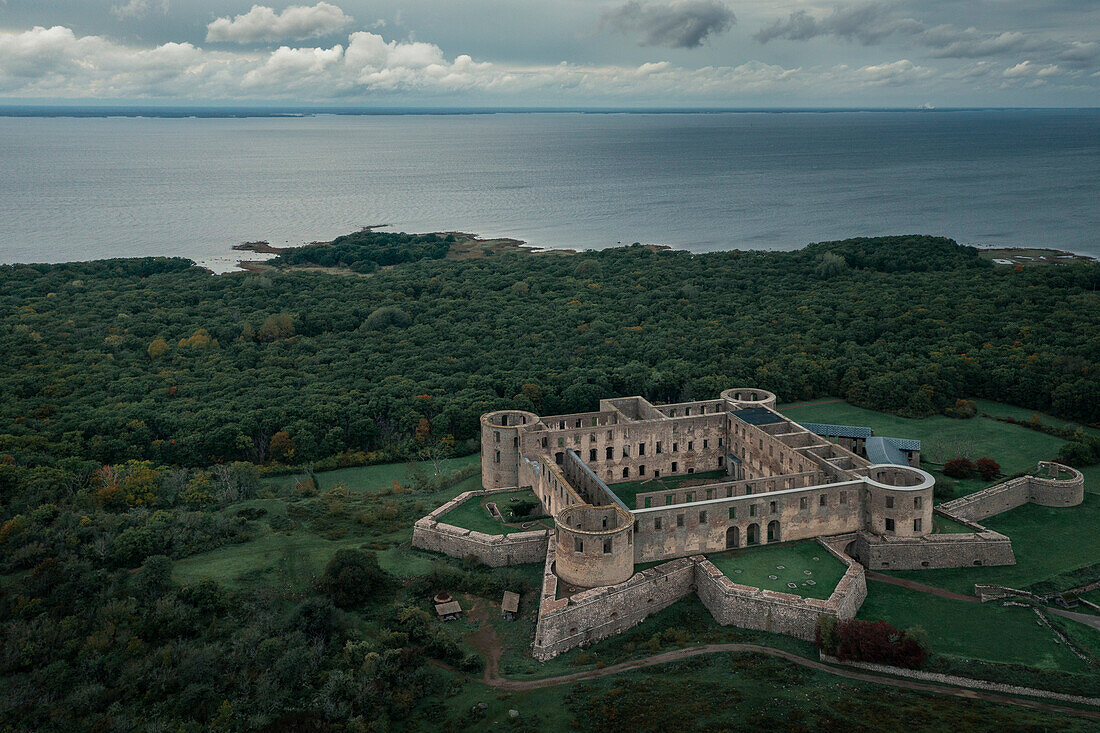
(903,71)
(871,23)
(136,9)
(261,23)
(55,62)
(868,24)
(676,24)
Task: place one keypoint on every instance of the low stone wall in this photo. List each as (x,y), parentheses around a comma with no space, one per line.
(949,679)
(933,551)
(429,533)
(598,613)
(733,604)
(1018,491)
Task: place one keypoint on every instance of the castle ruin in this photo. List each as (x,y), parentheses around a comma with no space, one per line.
(763,479)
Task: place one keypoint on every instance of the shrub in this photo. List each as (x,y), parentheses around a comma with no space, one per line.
(959,468)
(872,641)
(987,468)
(963,409)
(352,576)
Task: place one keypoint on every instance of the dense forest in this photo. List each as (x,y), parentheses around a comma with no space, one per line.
(143,397)
(157,360)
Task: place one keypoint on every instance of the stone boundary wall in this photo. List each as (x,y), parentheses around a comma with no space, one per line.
(1018,491)
(494,550)
(733,604)
(948,679)
(997,592)
(933,551)
(597,613)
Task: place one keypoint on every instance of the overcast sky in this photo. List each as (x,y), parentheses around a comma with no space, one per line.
(715,53)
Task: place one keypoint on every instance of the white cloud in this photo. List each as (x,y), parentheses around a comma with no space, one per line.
(136,9)
(55,62)
(902,71)
(262,23)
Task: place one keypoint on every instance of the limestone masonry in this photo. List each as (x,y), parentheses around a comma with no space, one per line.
(776,481)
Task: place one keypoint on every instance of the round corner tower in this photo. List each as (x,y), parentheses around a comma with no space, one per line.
(501,433)
(595,545)
(750,397)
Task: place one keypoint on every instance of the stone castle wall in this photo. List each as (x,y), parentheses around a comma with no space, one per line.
(933,551)
(1019,491)
(591,615)
(733,604)
(430,533)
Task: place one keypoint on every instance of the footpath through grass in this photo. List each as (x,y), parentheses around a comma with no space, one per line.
(807,566)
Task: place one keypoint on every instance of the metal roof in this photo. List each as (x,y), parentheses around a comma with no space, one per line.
(838,431)
(883,450)
(756,416)
(510,602)
(445,609)
(904,443)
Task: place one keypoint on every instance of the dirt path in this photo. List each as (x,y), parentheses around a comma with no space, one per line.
(920,587)
(680,654)
(486,640)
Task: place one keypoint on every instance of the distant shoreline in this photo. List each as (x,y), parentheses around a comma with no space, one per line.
(241,112)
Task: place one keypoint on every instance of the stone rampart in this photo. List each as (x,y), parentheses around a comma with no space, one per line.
(1015,492)
(733,604)
(597,613)
(933,551)
(429,533)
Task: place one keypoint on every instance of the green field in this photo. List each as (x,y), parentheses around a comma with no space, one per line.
(723,692)
(943,525)
(1046,541)
(942,438)
(372,479)
(298,535)
(472,514)
(787,562)
(985,631)
(628,490)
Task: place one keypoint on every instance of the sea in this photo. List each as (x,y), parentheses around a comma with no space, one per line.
(119,183)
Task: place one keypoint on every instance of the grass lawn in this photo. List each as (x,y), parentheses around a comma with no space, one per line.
(472,514)
(774,566)
(628,490)
(1046,541)
(943,525)
(738,691)
(372,479)
(943,438)
(985,631)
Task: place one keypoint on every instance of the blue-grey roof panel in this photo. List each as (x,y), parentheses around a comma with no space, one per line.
(757,416)
(904,443)
(882,450)
(838,431)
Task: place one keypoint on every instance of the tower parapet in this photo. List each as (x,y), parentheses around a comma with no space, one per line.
(501,433)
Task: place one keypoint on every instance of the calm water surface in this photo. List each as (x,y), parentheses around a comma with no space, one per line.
(108,187)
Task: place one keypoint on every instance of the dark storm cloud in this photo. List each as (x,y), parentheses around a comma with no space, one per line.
(676,24)
(871,23)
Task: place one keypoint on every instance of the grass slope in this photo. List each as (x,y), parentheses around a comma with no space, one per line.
(985,631)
